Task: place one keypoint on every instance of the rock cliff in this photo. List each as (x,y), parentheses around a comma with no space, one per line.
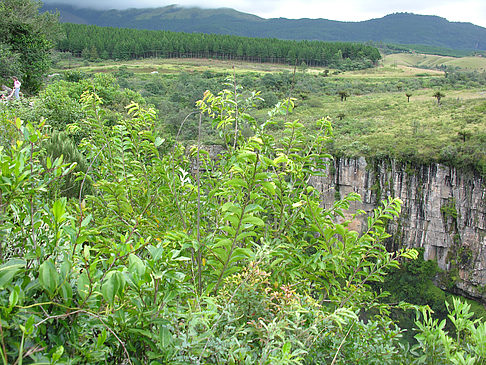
(444,211)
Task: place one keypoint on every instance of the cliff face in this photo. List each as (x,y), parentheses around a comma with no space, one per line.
(444,211)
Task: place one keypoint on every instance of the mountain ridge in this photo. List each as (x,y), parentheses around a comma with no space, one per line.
(401,28)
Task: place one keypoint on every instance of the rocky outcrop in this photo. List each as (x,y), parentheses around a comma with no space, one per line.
(444,211)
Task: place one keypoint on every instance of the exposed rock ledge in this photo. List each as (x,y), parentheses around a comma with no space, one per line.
(444,211)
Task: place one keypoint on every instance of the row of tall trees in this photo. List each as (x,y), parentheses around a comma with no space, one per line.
(122,43)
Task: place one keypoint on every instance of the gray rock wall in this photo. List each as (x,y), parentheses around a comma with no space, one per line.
(444,211)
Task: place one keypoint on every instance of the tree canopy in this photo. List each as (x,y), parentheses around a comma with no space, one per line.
(25,41)
(122,43)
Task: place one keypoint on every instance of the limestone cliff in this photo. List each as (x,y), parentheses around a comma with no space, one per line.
(444,211)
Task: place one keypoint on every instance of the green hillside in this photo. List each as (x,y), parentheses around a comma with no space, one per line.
(476,63)
(401,28)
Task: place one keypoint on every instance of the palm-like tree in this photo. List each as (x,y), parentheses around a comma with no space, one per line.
(343,95)
(439,95)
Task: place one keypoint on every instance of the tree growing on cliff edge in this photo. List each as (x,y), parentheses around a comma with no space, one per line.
(27,36)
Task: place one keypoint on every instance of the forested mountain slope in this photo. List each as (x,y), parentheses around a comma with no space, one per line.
(402,28)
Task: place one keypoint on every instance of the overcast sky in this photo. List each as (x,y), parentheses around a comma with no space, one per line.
(473,11)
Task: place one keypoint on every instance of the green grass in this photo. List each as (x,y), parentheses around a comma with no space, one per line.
(385,124)
(432,50)
(397,65)
(432,61)
(374,124)
(392,71)
(164,65)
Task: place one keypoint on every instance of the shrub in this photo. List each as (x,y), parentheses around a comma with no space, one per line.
(161,263)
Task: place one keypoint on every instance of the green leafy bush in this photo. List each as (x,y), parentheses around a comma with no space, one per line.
(182,258)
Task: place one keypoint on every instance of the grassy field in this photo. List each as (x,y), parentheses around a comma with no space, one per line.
(393,71)
(431,61)
(376,120)
(173,65)
(396,65)
(384,124)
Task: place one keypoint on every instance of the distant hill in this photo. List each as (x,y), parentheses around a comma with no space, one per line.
(435,61)
(400,28)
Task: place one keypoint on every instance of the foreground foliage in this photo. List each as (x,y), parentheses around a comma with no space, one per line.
(177,256)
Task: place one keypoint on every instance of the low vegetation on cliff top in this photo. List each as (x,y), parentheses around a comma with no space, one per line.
(388,111)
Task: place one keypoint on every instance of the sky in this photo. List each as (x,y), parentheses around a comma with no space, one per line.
(473,11)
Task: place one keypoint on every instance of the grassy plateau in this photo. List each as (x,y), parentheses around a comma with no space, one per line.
(390,110)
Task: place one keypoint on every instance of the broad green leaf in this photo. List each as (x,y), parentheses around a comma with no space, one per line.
(29,326)
(269,187)
(165,337)
(83,285)
(113,285)
(258,140)
(101,338)
(298,204)
(66,291)
(9,269)
(240,254)
(231,207)
(233,219)
(13,298)
(220,253)
(232,270)
(340,230)
(262,176)
(66,269)
(155,252)
(238,182)
(138,331)
(246,156)
(281,158)
(59,210)
(86,220)
(136,265)
(225,242)
(48,276)
(254,208)
(159,141)
(58,353)
(253,220)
